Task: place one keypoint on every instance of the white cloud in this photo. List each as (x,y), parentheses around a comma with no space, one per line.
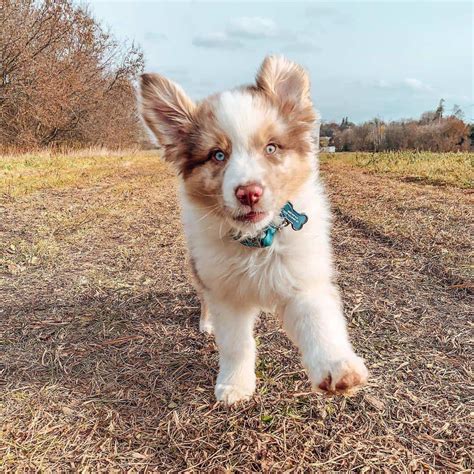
(416,84)
(217,40)
(244,29)
(253,28)
(409,83)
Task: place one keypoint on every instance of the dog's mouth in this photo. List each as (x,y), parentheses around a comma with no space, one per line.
(252,217)
(248,221)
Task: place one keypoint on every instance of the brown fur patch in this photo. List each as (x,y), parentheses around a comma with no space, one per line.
(204,137)
(289,166)
(203,176)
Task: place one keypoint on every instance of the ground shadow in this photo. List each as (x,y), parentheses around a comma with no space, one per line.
(132,350)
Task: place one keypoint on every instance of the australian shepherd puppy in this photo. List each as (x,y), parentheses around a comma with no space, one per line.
(257,222)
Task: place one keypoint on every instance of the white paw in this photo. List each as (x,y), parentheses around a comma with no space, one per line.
(205,325)
(341,376)
(230,394)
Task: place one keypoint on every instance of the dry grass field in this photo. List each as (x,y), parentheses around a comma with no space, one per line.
(455,169)
(102,367)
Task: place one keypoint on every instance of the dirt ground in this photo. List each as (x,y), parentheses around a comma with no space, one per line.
(102,366)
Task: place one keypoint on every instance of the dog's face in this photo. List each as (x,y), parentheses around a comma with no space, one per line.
(242,153)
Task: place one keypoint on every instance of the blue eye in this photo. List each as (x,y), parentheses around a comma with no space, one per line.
(271,148)
(219,155)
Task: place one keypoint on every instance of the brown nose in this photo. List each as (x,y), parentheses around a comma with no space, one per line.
(249,194)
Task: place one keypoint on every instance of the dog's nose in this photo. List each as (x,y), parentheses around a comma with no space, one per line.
(249,194)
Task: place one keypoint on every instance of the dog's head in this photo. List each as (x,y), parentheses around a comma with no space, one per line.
(242,153)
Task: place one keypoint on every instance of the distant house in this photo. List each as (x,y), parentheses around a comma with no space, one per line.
(326,146)
(328,149)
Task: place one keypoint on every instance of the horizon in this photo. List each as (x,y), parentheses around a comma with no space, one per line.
(363,63)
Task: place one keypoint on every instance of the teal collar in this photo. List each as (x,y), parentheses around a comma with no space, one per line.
(289,217)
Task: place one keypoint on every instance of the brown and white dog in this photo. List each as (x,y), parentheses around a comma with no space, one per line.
(241,156)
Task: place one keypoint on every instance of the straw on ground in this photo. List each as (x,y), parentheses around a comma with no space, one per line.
(103,367)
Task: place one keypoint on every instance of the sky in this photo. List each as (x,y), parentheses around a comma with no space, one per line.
(366,59)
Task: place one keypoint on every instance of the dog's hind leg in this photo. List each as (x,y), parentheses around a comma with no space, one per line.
(205,321)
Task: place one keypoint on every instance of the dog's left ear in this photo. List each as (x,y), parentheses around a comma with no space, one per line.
(285,80)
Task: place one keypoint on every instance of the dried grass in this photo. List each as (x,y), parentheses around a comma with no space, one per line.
(103,368)
(453,168)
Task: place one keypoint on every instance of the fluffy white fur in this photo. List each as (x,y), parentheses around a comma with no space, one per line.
(293,278)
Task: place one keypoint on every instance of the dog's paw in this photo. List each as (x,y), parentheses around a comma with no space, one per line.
(230,394)
(342,376)
(205,326)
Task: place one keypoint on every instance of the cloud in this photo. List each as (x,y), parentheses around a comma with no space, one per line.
(152,36)
(252,28)
(218,40)
(407,84)
(416,85)
(242,30)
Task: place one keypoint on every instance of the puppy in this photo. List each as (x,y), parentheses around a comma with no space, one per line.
(257,221)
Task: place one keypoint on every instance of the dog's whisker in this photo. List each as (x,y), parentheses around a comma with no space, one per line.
(214,206)
(213,195)
(208,214)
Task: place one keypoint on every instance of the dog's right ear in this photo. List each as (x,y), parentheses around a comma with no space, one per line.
(166,109)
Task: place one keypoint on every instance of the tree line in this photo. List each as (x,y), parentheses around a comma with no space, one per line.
(64,79)
(433,131)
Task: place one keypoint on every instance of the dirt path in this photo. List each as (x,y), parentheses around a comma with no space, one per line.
(102,364)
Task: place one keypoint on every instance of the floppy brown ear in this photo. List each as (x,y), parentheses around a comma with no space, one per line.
(167,111)
(285,80)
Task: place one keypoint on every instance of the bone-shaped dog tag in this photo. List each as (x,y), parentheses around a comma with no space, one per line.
(296,219)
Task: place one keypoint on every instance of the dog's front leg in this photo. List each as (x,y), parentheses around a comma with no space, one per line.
(315,323)
(233,330)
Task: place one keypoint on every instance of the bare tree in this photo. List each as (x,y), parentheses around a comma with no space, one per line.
(64,80)
(432,132)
